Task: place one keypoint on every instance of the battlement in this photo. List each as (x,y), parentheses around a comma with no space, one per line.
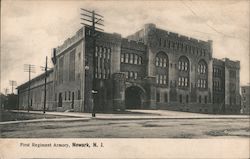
(78,35)
(133,44)
(218,62)
(231,63)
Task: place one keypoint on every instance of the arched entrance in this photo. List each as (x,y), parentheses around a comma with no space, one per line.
(133,97)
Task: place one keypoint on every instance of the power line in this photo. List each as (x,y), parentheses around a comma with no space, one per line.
(211,27)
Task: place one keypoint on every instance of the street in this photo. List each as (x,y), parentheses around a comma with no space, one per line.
(146,128)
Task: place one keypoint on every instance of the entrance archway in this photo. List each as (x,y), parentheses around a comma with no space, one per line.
(133,97)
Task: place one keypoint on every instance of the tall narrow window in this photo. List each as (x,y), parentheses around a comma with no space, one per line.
(157,61)
(157,96)
(135,75)
(126,58)
(79,94)
(180,98)
(131,58)
(122,58)
(140,60)
(166,97)
(136,59)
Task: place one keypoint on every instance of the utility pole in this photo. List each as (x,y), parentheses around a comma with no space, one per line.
(91,19)
(31,69)
(6,91)
(45,83)
(12,84)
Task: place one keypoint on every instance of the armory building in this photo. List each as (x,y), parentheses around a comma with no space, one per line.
(151,69)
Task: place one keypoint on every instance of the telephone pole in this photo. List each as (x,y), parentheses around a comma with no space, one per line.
(92,19)
(6,91)
(31,69)
(12,84)
(45,83)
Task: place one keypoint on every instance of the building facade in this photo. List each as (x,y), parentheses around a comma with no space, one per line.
(151,69)
(245,102)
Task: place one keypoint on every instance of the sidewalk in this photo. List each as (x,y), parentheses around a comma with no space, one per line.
(144,114)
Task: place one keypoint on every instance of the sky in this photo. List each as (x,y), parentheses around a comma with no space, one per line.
(30,29)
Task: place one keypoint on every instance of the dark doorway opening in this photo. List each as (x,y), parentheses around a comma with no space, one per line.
(60,100)
(133,98)
(73,98)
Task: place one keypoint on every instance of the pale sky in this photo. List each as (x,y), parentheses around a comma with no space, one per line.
(30,29)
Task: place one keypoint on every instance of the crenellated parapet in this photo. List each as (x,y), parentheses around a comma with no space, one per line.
(135,45)
(232,64)
(70,41)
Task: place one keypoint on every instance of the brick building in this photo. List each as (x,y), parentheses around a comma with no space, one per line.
(245,102)
(151,69)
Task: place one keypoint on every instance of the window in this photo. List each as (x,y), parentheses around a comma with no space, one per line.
(135,74)
(122,58)
(164,79)
(180,98)
(157,61)
(166,97)
(186,82)
(140,60)
(72,66)
(79,94)
(205,99)
(160,62)
(160,79)
(157,79)
(164,62)
(69,95)
(179,83)
(131,74)
(65,96)
(55,97)
(131,58)
(126,58)
(187,98)
(136,59)
(157,96)
(199,99)
(186,66)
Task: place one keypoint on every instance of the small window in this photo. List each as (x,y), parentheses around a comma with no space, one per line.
(157,96)
(165,62)
(122,58)
(187,98)
(180,98)
(126,58)
(131,58)
(69,95)
(79,94)
(166,97)
(135,74)
(55,97)
(157,61)
(136,59)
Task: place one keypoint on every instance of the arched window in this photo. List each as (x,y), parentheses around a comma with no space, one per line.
(161,63)
(183,72)
(202,75)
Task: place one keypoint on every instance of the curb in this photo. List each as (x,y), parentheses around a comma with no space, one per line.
(45,120)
